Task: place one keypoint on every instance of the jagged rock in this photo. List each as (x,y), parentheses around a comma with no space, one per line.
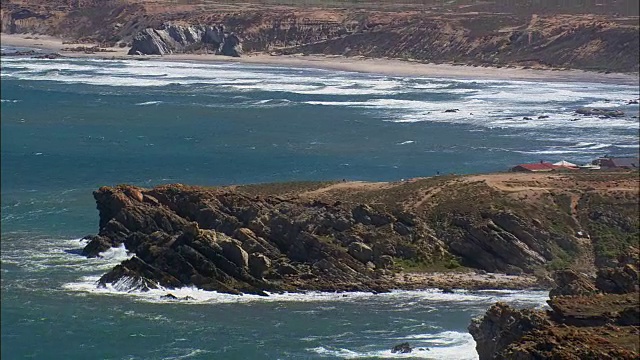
(171,38)
(231,46)
(493,248)
(401,229)
(244,234)
(582,323)
(366,215)
(620,280)
(501,326)
(287,269)
(234,252)
(569,282)
(361,251)
(149,42)
(96,245)
(258,264)
(135,274)
(403,348)
(385,262)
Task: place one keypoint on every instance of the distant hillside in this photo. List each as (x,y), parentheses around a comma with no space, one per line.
(589,35)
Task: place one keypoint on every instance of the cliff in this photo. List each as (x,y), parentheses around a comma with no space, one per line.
(343,236)
(587,319)
(565,35)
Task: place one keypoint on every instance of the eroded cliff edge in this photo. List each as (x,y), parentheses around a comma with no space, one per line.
(345,236)
(589,318)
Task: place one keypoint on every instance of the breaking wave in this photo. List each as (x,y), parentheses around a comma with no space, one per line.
(443,345)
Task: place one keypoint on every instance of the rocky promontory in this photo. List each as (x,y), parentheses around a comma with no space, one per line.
(348,236)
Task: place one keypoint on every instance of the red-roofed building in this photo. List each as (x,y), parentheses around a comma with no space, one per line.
(535,167)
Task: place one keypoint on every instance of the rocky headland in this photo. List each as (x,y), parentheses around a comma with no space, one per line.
(482,231)
(566,35)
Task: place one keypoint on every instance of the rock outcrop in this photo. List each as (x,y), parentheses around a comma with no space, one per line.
(569,282)
(346,236)
(229,242)
(171,38)
(582,323)
(501,326)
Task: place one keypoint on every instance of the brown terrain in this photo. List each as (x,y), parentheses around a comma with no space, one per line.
(588,319)
(342,236)
(589,35)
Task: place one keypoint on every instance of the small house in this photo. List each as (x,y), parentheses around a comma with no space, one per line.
(617,162)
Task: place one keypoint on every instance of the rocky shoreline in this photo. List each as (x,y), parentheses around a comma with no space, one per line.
(589,319)
(340,236)
(273,253)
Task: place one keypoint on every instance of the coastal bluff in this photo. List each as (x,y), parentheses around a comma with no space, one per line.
(590,318)
(538,35)
(360,236)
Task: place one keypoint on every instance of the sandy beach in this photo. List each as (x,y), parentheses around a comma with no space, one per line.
(390,67)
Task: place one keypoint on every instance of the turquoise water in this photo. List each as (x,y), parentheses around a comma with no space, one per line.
(72,125)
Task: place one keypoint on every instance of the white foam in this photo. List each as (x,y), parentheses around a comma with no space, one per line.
(444,345)
(146,103)
(482,104)
(88,284)
(46,253)
(406,142)
(116,254)
(9,100)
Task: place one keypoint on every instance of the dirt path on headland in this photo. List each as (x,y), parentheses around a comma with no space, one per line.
(346,186)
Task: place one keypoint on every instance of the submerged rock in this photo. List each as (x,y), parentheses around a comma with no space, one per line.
(403,348)
(607,113)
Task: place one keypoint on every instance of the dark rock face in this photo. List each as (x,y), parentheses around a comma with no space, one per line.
(501,242)
(582,323)
(403,348)
(501,326)
(229,242)
(620,280)
(171,38)
(568,282)
(361,251)
(11,20)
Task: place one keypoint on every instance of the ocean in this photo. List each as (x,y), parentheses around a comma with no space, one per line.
(70,126)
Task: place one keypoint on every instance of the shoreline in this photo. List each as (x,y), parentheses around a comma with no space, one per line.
(472,280)
(390,67)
